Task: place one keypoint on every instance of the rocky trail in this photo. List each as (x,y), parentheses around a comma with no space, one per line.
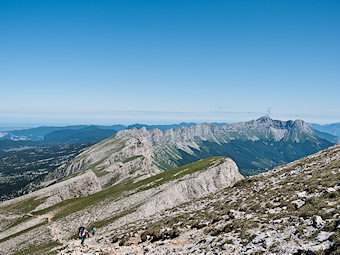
(47,216)
(293,209)
(52,226)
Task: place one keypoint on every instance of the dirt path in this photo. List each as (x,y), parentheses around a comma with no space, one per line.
(51,226)
(47,216)
(54,231)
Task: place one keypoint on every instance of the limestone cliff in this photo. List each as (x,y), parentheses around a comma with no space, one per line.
(16,214)
(256,144)
(292,209)
(113,160)
(117,205)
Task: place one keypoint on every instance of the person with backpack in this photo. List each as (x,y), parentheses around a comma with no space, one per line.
(82,234)
(94,230)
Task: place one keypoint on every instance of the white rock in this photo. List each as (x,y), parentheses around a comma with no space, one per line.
(323,246)
(330,189)
(298,203)
(318,222)
(301,194)
(323,236)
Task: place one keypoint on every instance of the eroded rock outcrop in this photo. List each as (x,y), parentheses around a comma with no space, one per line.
(78,186)
(117,205)
(257,215)
(143,153)
(192,209)
(114,160)
(18,215)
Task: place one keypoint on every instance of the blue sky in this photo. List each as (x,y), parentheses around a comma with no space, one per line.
(107,62)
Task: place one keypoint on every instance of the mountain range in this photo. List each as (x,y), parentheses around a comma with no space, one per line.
(206,207)
(76,134)
(332,129)
(255,146)
(95,133)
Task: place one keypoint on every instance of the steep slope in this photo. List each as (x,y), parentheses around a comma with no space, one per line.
(293,209)
(52,223)
(255,146)
(331,129)
(113,160)
(327,136)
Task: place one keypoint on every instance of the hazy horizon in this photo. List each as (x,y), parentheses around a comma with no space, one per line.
(18,126)
(108,62)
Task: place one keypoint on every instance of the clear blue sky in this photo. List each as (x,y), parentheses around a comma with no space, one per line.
(106,62)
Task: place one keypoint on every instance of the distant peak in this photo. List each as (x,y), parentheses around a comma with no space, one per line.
(265,118)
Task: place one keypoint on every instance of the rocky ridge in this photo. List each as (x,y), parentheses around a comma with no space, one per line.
(113,160)
(110,208)
(145,152)
(292,209)
(22,207)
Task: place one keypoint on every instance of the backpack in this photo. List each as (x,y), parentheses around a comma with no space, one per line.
(81,231)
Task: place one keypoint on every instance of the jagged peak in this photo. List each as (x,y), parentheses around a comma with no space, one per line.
(287,124)
(264,118)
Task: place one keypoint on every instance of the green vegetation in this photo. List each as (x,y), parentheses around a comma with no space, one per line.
(260,194)
(105,222)
(253,157)
(156,234)
(21,168)
(180,172)
(70,176)
(16,222)
(24,206)
(23,231)
(42,249)
(163,166)
(132,158)
(69,206)
(93,166)
(72,205)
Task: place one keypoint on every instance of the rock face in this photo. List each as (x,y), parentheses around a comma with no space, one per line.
(16,214)
(113,160)
(117,205)
(203,206)
(78,186)
(222,173)
(255,216)
(143,153)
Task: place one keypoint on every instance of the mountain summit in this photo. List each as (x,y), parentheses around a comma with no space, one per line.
(255,145)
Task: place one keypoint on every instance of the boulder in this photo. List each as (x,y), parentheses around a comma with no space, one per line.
(318,222)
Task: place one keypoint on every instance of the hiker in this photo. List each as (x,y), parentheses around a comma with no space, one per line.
(82,234)
(94,230)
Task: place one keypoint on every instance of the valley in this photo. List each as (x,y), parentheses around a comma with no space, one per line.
(23,169)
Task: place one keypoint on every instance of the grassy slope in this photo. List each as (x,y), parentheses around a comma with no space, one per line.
(258,196)
(114,192)
(70,206)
